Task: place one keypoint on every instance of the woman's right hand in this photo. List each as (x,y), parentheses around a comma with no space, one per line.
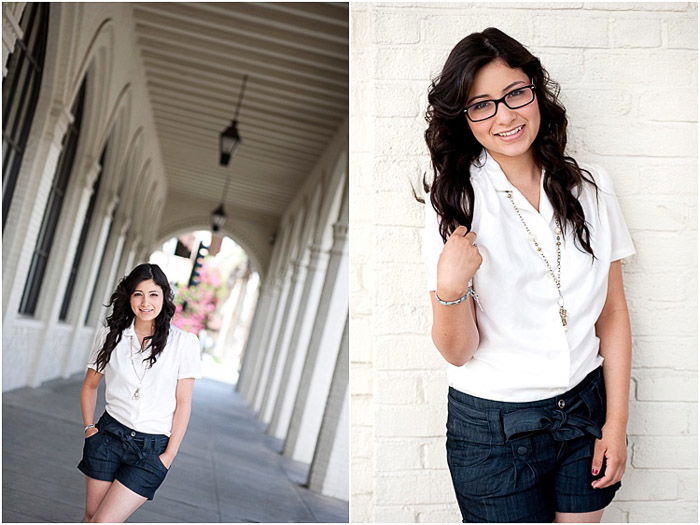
(458,262)
(91,432)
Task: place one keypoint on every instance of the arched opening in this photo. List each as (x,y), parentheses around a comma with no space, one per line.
(216,289)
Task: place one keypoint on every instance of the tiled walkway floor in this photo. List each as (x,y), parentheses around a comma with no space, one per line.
(227,470)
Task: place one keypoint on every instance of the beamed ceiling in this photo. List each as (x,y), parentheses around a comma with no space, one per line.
(195,56)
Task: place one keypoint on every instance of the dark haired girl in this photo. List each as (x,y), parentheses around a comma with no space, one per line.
(149,368)
(523,250)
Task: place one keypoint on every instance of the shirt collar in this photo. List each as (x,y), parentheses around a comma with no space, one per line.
(488,165)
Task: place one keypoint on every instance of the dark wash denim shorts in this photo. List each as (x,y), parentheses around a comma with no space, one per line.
(119,452)
(522,462)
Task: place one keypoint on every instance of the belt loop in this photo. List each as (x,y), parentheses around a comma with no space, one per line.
(496,426)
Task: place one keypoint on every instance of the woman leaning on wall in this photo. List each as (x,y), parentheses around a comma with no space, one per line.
(523,248)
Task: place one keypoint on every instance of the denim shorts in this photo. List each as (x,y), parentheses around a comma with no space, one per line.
(121,453)
(522,462)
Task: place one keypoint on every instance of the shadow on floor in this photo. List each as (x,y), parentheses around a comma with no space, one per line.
(227,470)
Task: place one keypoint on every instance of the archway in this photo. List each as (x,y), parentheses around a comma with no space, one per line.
(216,287)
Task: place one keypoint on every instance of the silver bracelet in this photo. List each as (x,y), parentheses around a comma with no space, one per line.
(88,427)
(456,301)
(470,291)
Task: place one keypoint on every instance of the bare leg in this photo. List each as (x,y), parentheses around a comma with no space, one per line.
(579,517)
(95,491)
(118,504)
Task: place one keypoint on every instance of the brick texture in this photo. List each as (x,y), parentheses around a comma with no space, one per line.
(628,73)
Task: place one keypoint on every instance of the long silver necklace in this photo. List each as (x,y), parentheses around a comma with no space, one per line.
(557,277)
(137,393)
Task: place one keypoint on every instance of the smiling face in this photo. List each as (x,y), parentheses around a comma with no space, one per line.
(492,82)
(147,301)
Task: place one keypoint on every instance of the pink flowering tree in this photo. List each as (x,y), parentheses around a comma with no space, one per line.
(195,307)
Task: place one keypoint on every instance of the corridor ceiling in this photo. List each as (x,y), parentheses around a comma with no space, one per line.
(195,56)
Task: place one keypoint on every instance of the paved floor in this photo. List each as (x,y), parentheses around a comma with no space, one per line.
(227,470)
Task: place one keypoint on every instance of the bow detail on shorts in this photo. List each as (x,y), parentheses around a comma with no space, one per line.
(127,441)
(563,424)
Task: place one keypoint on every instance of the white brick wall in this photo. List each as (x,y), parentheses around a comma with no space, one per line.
(362,278)
(628,73)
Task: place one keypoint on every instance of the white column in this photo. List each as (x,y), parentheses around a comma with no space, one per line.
(261,345)
(141,252)
(279,352)
(286,298)
(299,344)
(251,351)
(322,354)
(269,343)
(329,472)
(108,274)
(239,335)
(264,310)
(30,200)
(229,340)
(229,312)
(129,257)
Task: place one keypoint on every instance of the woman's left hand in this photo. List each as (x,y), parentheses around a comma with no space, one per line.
(612,446)
(166,459)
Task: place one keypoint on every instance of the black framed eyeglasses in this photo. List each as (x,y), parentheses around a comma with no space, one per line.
(485,109)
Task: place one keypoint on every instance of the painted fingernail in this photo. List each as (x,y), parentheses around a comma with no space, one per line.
(595,471)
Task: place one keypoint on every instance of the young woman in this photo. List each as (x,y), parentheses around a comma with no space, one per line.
(523,250)
(149,368)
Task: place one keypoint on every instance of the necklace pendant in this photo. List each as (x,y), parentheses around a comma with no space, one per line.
(562,314)
(137,393)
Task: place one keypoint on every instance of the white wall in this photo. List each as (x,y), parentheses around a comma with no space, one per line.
(628,73)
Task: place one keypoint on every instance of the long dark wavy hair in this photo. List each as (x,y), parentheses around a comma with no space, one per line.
(122,315)
(453,147)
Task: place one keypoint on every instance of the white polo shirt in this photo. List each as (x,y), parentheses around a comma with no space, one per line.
(524,354)
(153,412)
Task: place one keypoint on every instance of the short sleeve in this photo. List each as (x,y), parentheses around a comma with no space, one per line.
(621,244)
(97,343)
(190,361)
(432,244)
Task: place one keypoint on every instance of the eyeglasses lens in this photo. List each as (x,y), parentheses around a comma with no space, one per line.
(482,110)
(487,109)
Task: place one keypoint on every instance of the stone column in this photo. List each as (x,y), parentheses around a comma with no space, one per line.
(261,346)
(228,311)
(254,349)
(329,473)
(237,315)
(239,335)
(279,352)
(277,328)
(273,331)
(128,256)
(298,346)
(32,192)
(320,361)
(251,350)
(107,276)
